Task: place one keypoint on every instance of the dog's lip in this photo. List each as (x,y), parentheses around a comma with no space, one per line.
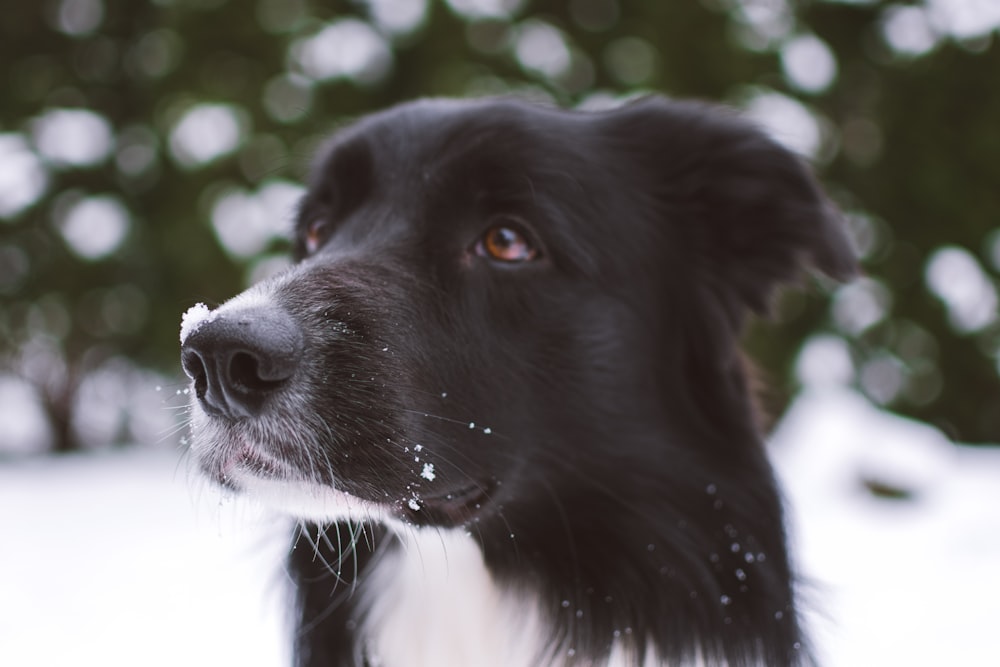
(455,507)
(246,457)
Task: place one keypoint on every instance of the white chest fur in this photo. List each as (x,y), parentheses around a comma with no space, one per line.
(433,602)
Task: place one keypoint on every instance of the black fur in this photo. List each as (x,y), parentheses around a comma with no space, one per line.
(623,468)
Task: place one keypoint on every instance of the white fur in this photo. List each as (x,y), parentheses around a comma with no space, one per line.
(435,603)
(306,500)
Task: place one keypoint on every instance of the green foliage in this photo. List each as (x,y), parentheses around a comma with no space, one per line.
(905,135)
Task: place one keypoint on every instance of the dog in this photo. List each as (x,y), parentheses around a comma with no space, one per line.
(501,387)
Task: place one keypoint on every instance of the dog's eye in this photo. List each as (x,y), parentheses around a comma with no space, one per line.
(316,233)
(506,243)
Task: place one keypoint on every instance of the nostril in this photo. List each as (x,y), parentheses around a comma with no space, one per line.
(245,373)
(194,367)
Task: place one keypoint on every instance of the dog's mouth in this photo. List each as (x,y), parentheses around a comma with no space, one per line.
(246,459)
(452,508)
(459,506)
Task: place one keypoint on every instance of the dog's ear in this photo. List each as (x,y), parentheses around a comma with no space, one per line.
(747,210)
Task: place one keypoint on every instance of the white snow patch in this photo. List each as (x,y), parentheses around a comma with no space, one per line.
(428,472)
(119,552)
(893,582)
(193,318)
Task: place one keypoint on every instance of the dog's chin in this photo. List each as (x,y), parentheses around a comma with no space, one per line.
(322,503)
(310,501)
(249,469)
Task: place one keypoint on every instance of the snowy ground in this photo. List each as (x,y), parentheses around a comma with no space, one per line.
(912,582)
(123,559)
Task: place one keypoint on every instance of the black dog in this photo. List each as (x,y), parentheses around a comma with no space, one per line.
(502,391)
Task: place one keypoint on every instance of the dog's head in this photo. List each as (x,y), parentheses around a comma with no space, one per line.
(493,301)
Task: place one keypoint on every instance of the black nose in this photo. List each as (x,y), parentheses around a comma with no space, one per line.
(237,359)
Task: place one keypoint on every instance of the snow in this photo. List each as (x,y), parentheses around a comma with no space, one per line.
(127,557)
(891,582)
(193,318)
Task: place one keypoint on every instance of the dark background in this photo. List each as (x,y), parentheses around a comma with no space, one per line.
(150,151)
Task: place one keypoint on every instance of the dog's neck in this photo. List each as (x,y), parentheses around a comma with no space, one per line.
(432,601)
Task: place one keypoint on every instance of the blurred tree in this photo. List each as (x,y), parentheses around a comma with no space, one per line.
(149,154)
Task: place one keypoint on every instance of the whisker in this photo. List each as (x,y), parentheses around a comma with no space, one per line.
(317,555)
(433,416)
(172,431)
(307,627)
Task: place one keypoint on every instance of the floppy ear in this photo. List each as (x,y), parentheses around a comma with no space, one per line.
(747,210)
(761,219)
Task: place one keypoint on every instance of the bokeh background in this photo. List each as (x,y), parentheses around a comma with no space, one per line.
(151,153)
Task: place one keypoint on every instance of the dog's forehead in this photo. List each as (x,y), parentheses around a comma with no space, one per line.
(428,137)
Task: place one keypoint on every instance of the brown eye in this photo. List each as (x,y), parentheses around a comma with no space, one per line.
(315,235)
(505,243)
